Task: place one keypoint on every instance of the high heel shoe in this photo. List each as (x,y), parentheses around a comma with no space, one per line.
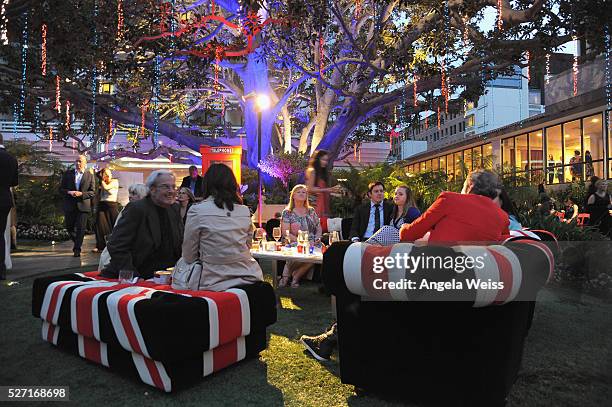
(284,281)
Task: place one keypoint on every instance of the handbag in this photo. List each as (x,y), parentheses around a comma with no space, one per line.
(186,276)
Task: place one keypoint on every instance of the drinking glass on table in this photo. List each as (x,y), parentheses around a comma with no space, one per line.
(259,235)
(126,276)
(276,233)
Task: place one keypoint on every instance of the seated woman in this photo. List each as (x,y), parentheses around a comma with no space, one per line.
(599,205)
(185,199)
(571,210)
(298,215)
(504,202)
(404,212)
(467,217)
(218,232)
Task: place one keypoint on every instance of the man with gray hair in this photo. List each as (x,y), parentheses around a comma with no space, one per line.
(471,216)
(149,235)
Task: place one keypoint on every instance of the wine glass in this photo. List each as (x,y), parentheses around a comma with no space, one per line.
(276,233)
(259,235)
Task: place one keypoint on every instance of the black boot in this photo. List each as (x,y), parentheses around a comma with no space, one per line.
(321,346)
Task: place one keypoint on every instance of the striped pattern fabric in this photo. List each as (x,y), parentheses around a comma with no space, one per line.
(155,324)
(166,376)
(521,266)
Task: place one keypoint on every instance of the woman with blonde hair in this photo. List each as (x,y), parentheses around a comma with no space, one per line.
(298,215)
(184,198)
(108,209)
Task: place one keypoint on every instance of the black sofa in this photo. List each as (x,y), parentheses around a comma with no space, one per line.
(434,352)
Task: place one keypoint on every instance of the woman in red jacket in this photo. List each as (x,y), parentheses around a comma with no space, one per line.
(467,217)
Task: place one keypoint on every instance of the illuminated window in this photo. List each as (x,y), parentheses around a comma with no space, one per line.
(470,121)
(593,143)
(107,88)
(536,156)
(572,149)
(554,155)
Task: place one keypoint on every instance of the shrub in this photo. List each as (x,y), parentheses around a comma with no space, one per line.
(42,232)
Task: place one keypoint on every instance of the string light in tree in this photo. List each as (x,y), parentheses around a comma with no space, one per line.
(3,23)
(143,112)
(37,115)
(217,67)
(222,107)
(358,8)
(119,20)
(321,54)
(607,69)
(43,50)
(58,94)
(575,67)
(15,118)
(67,115)
(415,90)
(547,69)
(500,22)
(465,36)
(426,122)
(528,67)
(156,89)
(24,67)
(163,15)
(94,74)
(50,138)
(438,108)
(111,133)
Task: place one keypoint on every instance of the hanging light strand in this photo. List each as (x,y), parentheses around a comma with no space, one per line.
(321,54)
(500,22)
(24,67)
(575,68)
(156,89)
(119,20)
(143,111)
(94,74)
(43,50)
(3,23)
(415,90)
(528,67)
(608,73)
(67,115)
(58,94)
(547,69)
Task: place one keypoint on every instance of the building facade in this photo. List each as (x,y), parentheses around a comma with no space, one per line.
(541,148)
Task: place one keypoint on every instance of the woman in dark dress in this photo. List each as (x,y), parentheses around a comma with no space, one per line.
(599,205)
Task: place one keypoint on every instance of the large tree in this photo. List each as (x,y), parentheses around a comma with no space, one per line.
(366,57)
(330,66)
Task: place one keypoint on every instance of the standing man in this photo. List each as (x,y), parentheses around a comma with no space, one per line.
(194,182)
(369,217)
(8,179)
(78,190)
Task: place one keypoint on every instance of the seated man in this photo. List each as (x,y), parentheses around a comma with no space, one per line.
(149,235)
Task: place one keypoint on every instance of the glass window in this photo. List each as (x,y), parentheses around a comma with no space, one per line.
(434,164)
(423,169)
(467,158)
(427,165)
(521,160)
(450,167)
(459,166)
(554,155)
(572,148)
(442,164)
(508,153)
(470,121)
(487,156)
(536,156)
(593,143)
(477,157)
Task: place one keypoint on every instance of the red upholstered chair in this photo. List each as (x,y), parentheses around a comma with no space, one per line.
(323,220)
(582,219)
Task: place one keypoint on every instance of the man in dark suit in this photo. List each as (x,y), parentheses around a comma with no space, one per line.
(193,181)
(149,234)
(369,217)
(8,179)
(78,190)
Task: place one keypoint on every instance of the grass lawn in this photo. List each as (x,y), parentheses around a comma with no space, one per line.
(566,363)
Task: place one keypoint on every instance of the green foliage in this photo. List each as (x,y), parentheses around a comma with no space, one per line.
(562,230)
(576,191)
(37,197)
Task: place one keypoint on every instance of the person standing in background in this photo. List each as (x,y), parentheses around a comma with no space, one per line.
(589,171)
(8,169)
(317,181)
(107,211)
(193,182)
(77,187)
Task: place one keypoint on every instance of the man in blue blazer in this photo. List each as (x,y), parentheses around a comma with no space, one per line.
(78,190)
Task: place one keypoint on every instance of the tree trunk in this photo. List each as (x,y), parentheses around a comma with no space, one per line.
(303,148)
(286,129)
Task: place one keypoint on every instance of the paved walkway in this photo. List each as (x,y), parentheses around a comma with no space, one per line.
(31,260)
